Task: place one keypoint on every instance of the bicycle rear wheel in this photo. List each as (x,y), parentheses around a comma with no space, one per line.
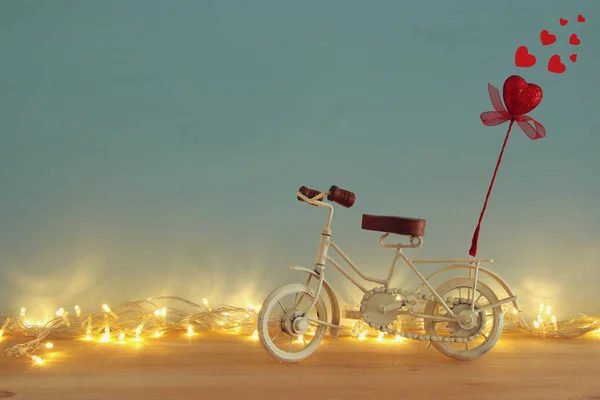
(284,328)
(491,320)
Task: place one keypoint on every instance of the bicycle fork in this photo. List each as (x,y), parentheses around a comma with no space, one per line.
(324,243)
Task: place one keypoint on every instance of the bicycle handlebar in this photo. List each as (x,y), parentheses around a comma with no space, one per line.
(344,198)
(309,193)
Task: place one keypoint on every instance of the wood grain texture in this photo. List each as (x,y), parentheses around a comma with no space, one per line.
(226,366)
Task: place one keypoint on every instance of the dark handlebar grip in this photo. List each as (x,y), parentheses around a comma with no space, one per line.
(343,197)
(310,193)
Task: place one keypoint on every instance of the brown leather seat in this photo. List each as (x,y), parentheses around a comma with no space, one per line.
(397,225)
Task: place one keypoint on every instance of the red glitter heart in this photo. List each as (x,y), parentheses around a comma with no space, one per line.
(547,38)
(574,40)
(555,66)
(523,59)
(573,57)
(563,22)
(519,96)
(580,18)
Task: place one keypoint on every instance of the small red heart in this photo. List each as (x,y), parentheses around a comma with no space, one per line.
(574,40)
(547,38)
(563,22)
(580,18)
(573,57)
(523,59)
(555,66)
(519,96)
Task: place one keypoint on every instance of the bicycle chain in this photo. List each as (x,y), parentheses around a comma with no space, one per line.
(410,300)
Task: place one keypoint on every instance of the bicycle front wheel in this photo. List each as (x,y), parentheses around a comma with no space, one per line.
(285,329)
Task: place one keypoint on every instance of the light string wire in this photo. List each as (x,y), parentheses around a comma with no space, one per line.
(137,320)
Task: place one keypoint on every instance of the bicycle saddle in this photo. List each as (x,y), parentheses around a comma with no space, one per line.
(398,225)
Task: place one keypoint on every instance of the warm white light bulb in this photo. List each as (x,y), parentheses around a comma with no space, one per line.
(23,309)
(78,311)
(49,345)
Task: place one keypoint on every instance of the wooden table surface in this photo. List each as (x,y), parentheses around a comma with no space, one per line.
(226,366)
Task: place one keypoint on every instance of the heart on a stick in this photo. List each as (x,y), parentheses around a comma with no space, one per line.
(519,96)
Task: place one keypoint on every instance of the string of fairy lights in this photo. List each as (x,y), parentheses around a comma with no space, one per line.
(134,321)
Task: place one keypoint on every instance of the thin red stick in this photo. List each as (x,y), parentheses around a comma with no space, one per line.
(475,239)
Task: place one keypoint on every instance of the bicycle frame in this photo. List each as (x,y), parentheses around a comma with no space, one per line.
(415,242)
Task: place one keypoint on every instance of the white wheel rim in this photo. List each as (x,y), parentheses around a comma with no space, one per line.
(296,347)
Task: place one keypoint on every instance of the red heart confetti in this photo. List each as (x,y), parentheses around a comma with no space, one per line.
(563,22)
(547,38)
(574,40)
(523,59)
(573,57)
(555,66)
(580,18)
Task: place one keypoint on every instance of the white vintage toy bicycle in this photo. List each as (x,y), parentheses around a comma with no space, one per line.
(293,319)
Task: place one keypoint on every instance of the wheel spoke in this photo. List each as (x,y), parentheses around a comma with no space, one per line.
(276,336)
(282,307)
(467,346)
(290,346)
(305,344)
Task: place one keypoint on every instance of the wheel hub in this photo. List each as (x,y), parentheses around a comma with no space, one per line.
(295,323)
(300,325)
(468,322)
(467,319)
